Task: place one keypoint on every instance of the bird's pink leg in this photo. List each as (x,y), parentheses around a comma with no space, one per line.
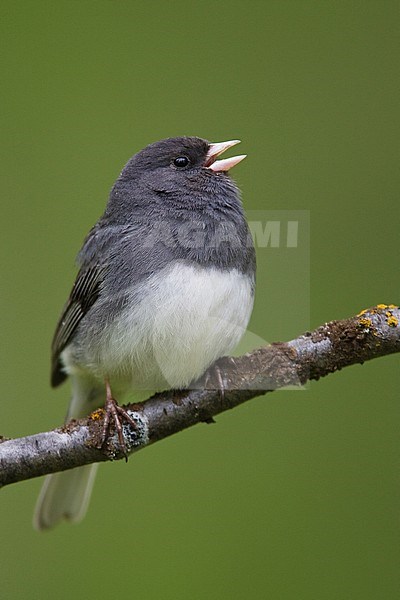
(118,415)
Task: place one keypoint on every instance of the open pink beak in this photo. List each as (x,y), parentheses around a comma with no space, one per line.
(225,164)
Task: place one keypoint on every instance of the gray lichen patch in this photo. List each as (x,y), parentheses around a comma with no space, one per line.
(135,438)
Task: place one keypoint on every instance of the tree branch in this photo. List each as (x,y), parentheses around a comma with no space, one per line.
(372,333)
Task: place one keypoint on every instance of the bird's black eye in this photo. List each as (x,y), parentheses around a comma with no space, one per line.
(181,161)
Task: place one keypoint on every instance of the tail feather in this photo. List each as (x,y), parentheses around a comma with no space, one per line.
(66,495)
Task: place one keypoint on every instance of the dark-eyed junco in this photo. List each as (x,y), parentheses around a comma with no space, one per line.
(165,287)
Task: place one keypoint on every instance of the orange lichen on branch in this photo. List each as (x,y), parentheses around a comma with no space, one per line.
(384,306)
(97,414)
(375,309)
(392,321)
(365,322)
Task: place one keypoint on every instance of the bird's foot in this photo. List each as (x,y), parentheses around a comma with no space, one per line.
(214,373)
(115,415)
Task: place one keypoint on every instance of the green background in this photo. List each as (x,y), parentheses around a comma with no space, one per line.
(292,496)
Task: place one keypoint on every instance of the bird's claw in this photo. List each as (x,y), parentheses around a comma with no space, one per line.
(115,414)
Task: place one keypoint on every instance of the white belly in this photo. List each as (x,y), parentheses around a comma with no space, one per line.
(189,317)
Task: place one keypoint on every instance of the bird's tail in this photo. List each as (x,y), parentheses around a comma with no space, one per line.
(66,495)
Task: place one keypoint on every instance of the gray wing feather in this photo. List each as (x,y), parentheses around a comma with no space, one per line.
(84,294)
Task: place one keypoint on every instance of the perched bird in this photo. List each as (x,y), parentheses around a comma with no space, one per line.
(165,287)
